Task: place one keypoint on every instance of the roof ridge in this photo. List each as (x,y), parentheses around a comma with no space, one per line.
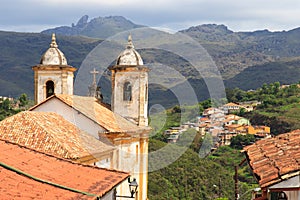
(59,96)
(60,158)
(8,167)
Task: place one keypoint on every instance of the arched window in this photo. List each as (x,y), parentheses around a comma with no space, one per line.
(49,88)
(127,92)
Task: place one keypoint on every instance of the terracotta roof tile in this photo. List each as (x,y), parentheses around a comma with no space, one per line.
(231,104)
(85,178)
(100,114)
(272,158)
(50,133)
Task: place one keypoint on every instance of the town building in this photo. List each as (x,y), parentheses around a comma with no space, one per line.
(222,125)
(231,107)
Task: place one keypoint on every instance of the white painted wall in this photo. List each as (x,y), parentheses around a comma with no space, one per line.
(109,195)
(137,108)
(136,162)
(293,195)
(72,115)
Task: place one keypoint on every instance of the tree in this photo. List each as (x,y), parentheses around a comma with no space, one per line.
(206,104)
(239,141)
(6,104)
(242,112)
(23,100)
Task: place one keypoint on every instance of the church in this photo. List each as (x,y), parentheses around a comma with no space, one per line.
(120,129)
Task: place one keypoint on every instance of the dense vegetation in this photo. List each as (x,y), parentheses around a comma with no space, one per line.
(175,116)
(279,107)
(192,177)
(11,107)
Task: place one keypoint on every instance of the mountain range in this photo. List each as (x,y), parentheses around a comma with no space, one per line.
(245,59)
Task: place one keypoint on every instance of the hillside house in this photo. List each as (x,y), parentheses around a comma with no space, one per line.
(249,105)
(259,131)
(234,119)
(211,111)
(231,107)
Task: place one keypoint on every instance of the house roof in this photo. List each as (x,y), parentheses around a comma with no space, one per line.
(50,133)
(100,114)
(233,117)
(202,119)
(275,159)
(28,174)
(232,104)
(234,126)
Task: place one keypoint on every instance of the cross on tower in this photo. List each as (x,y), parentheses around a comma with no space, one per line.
(94,72)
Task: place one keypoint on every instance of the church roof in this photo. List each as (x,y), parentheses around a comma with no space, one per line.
(50,133)
(53,56)
(100,114)
(28,174)
(129,57)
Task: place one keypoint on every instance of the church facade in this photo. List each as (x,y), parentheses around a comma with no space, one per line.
(124,126)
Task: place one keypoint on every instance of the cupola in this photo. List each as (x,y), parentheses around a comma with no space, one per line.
(129,56)
(53,56)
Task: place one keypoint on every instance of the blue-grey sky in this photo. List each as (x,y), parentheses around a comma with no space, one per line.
(238,15)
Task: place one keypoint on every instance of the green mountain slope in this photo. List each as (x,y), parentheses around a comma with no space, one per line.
(20,51)
(245,59)
(285,72)
(235,51)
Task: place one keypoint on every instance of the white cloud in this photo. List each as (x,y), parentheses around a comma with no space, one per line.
(175,14)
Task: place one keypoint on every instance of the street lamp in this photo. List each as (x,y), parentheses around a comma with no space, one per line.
(133,185)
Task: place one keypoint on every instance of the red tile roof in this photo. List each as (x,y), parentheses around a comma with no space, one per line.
(88,179)
(202,119)
(273,159)
(232,117)
(50,133)
(231,104)
(100,114)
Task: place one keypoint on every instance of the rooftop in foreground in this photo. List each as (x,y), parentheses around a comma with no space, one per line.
(29,174)
(275,159)
(50,133)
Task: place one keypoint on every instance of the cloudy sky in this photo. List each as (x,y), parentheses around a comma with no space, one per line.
(238,15)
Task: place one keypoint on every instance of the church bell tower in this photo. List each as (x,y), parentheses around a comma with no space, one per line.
(130,86)
(53,75)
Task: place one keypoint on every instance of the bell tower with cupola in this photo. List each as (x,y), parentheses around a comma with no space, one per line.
(130,86)
(53,75)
